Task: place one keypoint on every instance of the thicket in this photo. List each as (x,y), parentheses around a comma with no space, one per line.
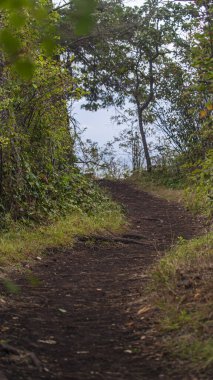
(39,179)
(193,170)
(187,123)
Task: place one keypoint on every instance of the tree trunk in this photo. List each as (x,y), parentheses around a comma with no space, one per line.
(145,146)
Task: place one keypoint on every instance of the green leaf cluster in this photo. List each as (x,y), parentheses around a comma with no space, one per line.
(199,194)
(38,177)
(19,17)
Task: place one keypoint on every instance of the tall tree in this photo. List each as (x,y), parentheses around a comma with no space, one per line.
(123,58)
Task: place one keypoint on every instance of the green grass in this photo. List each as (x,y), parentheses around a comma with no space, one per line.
(181,284)
(181,287)
(156,184)
(21,243)
(185,256)
(199,351)
(189,186)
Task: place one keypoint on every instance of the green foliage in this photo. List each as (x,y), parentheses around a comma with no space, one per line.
(20,242)
(141,35)
(184,256)
(15,15)
(198,351)
(167,172)
(202,46)
(177,172)
(82,15)
(202,53)
(169,176)
(11,287)
(168,91)
(181,288)
(38,178)
(38,153)
(188,121)
(199,193)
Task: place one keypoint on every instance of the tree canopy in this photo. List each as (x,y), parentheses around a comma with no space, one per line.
(142,56)
(152,62)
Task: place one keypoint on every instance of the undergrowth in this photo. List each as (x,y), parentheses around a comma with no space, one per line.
(199,192)
(181,284)
(186,182)
(159,184)
(181,287)
(21,242)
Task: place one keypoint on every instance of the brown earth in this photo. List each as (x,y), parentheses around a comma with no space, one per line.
(80,321)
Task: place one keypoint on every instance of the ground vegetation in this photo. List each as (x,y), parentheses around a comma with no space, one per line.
(154,64)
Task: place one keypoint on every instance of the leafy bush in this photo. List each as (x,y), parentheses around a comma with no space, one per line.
(21,242)
(41,199)
(199,193)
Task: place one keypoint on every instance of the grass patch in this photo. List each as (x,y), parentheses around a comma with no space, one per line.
(181,287)
(185,256)
(21,243)
(154,184)
(198,351)
(190,184)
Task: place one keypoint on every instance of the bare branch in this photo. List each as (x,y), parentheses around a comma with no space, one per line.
(61,6)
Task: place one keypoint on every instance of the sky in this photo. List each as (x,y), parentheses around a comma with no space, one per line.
(99,126)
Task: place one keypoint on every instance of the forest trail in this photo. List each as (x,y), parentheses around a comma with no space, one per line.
(80,322)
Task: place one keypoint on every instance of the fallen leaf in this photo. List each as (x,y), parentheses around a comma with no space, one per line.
(144,309)
(48,341)
(4,328)
(197,295)
(129,324)
(62,310)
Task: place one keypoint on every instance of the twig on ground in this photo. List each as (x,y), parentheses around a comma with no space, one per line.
(13,350)
(111,239)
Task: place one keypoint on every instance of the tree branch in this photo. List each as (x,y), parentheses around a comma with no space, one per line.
(61,6)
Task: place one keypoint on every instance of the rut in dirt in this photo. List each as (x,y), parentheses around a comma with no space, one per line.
(81,321)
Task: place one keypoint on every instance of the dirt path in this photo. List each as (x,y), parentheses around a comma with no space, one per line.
(80,322)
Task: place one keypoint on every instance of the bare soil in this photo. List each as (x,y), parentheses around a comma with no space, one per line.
(76,315)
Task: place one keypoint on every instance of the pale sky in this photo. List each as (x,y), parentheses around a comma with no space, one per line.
(99,126)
